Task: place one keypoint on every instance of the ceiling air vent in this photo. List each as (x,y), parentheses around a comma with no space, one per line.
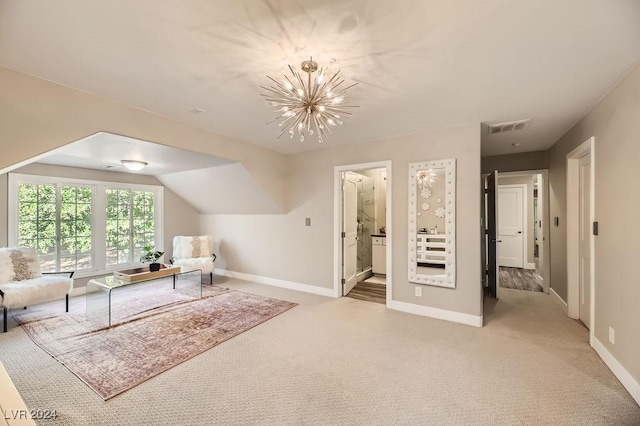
(508,126)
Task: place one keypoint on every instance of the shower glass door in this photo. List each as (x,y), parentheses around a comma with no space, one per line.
(366,215)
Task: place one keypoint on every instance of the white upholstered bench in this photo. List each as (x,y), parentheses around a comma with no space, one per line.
(22,284)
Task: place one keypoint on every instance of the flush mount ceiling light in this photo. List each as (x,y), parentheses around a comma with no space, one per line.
(134,165)
(311,108)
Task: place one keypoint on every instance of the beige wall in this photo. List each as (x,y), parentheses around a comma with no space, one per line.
(524,180)
(282,247)
(37,116)
(179,217)
(615,125)
(535,160)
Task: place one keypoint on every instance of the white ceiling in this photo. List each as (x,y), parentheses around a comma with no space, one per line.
(104,151)
(420,64)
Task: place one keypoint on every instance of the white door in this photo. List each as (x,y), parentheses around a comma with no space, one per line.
(510,226)
(350,232)
(585,235)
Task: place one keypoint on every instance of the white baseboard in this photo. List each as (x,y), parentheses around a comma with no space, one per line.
(559,301)
(277,283)
(618,370)
(427,311)
(529,266)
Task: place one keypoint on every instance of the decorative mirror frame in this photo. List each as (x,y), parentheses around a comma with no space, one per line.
(448,279)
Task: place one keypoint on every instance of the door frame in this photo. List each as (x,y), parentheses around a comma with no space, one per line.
(573,232)
(337,222)
(525,219)
(543,195)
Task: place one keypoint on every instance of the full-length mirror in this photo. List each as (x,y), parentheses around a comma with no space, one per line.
(432,223)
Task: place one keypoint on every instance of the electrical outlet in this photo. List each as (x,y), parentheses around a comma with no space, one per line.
(612,335)
(419,291)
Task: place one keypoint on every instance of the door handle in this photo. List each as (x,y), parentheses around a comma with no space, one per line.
(496,241)
(519,232)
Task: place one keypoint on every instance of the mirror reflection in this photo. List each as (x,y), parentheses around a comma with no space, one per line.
(430,241)
(432,223)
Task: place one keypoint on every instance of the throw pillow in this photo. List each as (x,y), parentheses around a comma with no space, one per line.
(18,264)
(195,247)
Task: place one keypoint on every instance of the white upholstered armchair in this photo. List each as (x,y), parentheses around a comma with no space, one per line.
(22,283)
(194,252)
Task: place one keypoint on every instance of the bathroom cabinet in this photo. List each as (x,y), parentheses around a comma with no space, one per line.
(379,248)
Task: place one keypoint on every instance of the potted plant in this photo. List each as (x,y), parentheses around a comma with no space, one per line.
(151,255)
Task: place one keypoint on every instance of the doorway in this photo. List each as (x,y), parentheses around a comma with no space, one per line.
(580,238)
(362,223)
(521,243)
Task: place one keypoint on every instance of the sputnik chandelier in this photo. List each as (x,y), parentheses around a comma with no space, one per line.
(311,108)
(426,178)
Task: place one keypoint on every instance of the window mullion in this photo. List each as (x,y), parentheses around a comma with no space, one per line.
(131,225)
(99,227)
(37,217)
(58,226)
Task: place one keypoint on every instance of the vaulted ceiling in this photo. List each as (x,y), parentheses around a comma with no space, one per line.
(420,64)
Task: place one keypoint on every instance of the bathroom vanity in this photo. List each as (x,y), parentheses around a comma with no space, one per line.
(379,249)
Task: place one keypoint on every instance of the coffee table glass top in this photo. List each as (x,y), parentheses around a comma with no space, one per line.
(102,305)
(111,281)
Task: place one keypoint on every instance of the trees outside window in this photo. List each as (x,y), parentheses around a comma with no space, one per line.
(85,226)
(56,220)
(129,225)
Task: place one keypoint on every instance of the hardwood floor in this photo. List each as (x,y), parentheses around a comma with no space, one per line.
(520,279)
(370,292)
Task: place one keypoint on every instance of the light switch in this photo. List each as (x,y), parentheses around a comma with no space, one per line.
(307,221)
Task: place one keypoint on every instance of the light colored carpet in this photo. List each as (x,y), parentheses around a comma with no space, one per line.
(376,280)
(342,361)
(170,330)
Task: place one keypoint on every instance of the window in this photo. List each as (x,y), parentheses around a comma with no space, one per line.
(87,226)
(129,225)
(75,228)
(56,220)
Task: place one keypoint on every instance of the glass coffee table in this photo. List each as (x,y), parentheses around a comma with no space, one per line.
(112,296)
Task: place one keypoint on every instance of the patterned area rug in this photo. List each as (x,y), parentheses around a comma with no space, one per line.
(114,359)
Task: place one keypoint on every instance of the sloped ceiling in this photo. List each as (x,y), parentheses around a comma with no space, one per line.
(226,189)
(210,184)
(105,151)
(420,64)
